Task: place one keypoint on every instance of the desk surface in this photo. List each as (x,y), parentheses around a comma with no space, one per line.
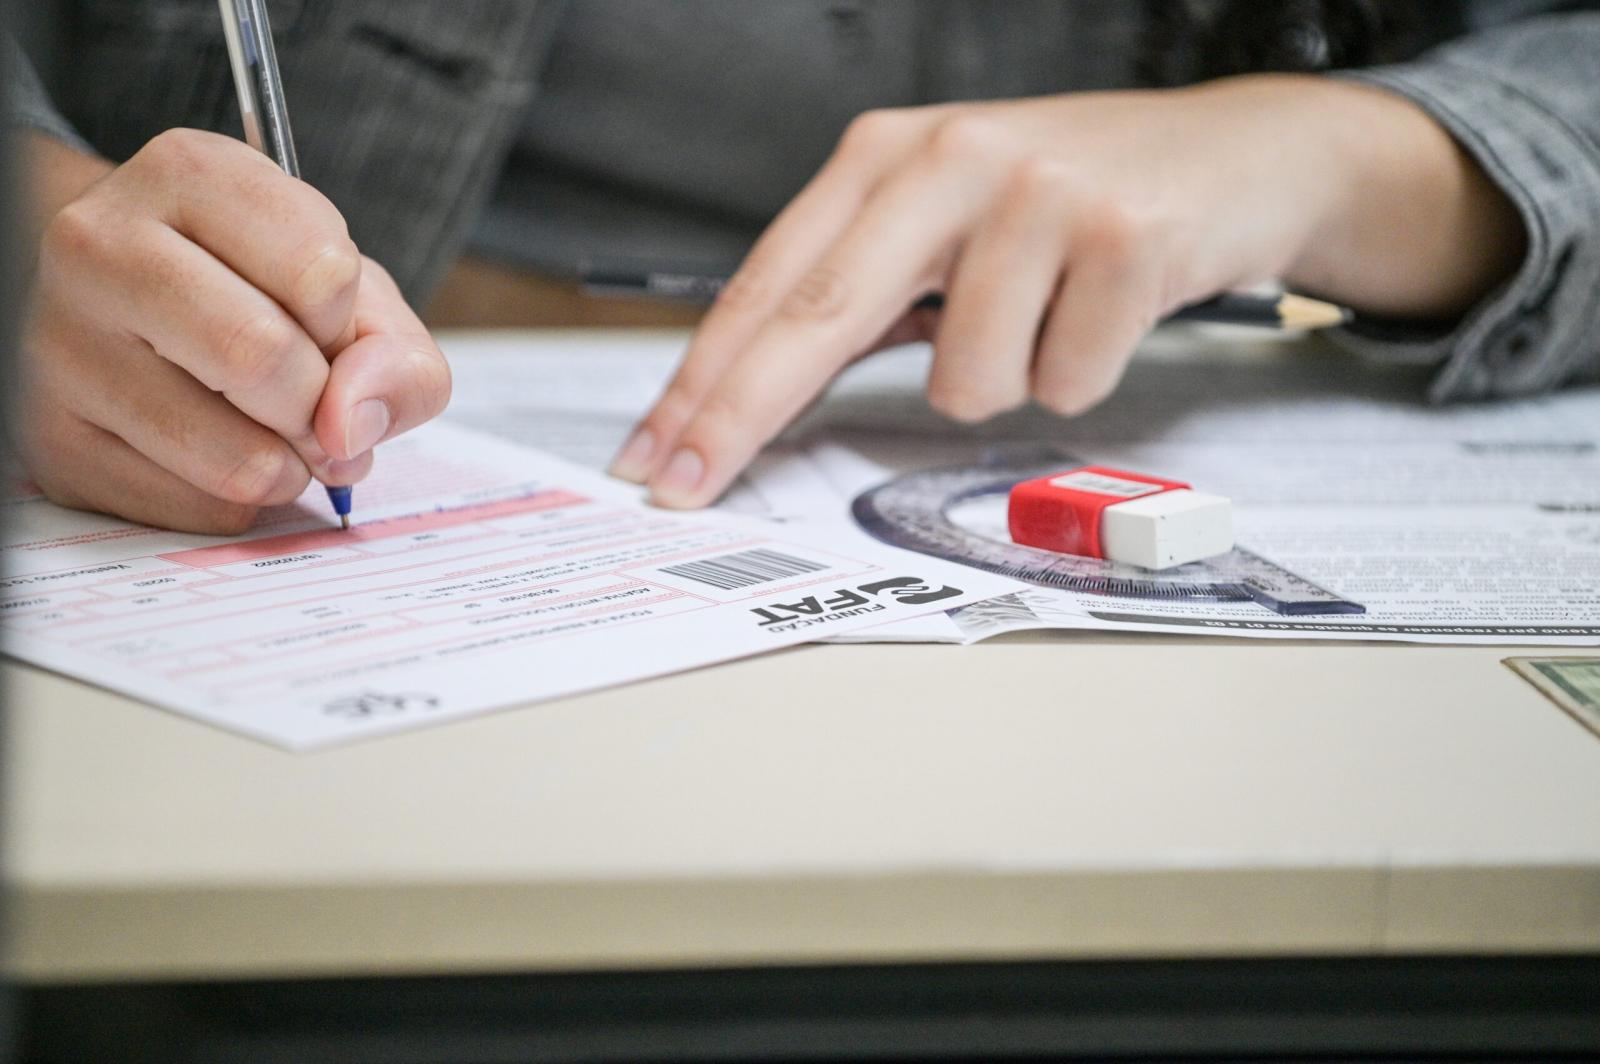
(1046,796)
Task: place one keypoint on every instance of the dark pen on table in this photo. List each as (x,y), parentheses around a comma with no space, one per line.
(266,118)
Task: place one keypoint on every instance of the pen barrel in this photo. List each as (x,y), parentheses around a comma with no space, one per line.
(259,87)
(688,287)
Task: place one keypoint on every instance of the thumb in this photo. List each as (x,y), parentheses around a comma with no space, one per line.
(391,378)
(378,387)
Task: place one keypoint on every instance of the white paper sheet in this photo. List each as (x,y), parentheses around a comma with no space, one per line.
(1469,523)
(480,575)
(580,401)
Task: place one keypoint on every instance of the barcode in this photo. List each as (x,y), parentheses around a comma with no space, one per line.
(747,568)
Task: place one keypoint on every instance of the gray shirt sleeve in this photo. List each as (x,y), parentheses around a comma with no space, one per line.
(1524,101)
(27,103)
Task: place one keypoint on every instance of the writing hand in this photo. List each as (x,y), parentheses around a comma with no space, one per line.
(204,337)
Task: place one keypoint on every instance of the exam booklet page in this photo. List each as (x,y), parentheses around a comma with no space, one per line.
(480,574)
(1471,523)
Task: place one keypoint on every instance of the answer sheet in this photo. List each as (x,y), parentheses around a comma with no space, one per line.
(1473,523)
(480,574)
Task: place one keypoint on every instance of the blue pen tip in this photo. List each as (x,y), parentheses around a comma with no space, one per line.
(340,497)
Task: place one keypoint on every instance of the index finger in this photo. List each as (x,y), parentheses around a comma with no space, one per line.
(802,231)
(892,253)
(278,233)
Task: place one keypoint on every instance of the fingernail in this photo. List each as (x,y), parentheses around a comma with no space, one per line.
(346,472)
(369,420)
(680,476)
(633,461)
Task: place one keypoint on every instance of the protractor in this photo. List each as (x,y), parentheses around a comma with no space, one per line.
(929,512)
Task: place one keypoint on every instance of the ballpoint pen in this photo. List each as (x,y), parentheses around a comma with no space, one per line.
(266,117)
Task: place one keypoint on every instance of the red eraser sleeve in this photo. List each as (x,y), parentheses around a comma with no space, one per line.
(1062,511)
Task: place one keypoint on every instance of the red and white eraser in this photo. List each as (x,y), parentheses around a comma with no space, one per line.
(1120,516)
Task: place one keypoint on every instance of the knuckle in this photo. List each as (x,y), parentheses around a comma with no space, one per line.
(55,484)
(965,136)
(718,419)
(679,396)
(255,349)
(78,232)
(56,454)
(677,403)
(821,295)
(254,478)
(1112,231)
(58,492)
(1036,180)
(431,379)
(746,288)
(326,268)
(175,430)
(179,151)
(47,443)
(870,130)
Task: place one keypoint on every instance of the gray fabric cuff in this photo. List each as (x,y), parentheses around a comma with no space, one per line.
(1542,328)
(27,104)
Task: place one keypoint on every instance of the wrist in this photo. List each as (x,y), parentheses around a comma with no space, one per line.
(1413,226)
(1284,154)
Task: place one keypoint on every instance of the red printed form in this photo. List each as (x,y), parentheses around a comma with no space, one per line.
(480,575)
